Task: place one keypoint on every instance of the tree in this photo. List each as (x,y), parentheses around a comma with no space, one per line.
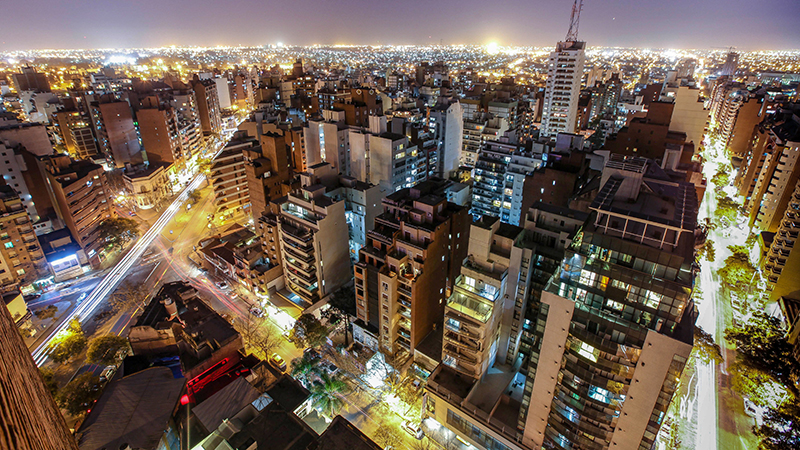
(705,348)
(738,270)
(69,343)
(756,385)
(423,444)
(47,313)
(204,166)
(727,209)
(49,378)
(707,250)
(326,396)
(387,436)
(103,349)
(763,347)
(128,297)
(194,197)
(343,302)
(780,430)
(117,231)
(303,366)
(308,331)
(259,336)
(721,178)
(79,394)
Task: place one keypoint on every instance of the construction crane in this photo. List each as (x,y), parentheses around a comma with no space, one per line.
(574,20)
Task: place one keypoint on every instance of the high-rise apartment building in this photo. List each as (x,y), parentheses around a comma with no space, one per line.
(117,135)
(208,109)
(605,97)
(267,170)
(603,341)
(730,65)
(617,318)
(387,160)
(21,257)
(309,227)
(565,70)
(409,264)
(31,420)
(479,389)
(30,80)
(229,176)
(772,170)
(782,259)
(76,133)
(446,118)
(185,104)
(499,178)
(161,135)
(473,129)
(83,200)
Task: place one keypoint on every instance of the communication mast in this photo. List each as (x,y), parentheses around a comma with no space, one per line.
(574,20)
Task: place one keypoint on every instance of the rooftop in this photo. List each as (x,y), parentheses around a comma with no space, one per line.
(133,410)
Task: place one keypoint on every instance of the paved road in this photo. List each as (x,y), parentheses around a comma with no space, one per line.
(721,421)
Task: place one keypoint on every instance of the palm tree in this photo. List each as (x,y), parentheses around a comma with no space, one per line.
(327,395)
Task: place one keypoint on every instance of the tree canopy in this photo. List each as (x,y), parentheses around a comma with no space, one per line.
(117,231)
(780,430)
(103,349)
(705,348)
(68,343)
(260,337)
(326,395)
(128,296)
(79,394)
(738,271)
(765,371)
(308,331)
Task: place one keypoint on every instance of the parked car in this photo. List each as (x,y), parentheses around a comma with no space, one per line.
(278,362)
(108,373)
(222,284)
(31,297)
(256,311)
(413,429)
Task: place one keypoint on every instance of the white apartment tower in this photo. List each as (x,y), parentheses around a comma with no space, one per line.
(563,88)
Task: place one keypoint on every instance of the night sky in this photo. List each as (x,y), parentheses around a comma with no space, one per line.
(748,25)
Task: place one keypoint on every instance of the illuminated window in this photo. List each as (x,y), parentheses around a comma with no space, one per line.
(588,352)
(9,245)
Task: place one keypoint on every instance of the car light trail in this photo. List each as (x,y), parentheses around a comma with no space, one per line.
(103,289)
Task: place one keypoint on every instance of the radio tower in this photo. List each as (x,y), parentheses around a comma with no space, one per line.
(574,20)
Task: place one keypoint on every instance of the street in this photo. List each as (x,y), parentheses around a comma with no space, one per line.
(721,422)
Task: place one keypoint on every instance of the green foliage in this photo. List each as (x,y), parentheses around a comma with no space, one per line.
(756,385)
(780,430)
(49,378)
(721,178)
(707,251)
(68,344)
(727,209)
(705,348)
(303,366)
(79,394)
(738,270)
(46,313)
(308,331)
(103,349)
(326,396)
(117,231)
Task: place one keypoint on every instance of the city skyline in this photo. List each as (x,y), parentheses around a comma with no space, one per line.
(626,24)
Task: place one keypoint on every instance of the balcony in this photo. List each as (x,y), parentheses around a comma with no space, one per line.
(470,307)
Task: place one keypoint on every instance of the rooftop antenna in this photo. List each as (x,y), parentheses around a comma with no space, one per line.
(574,20)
